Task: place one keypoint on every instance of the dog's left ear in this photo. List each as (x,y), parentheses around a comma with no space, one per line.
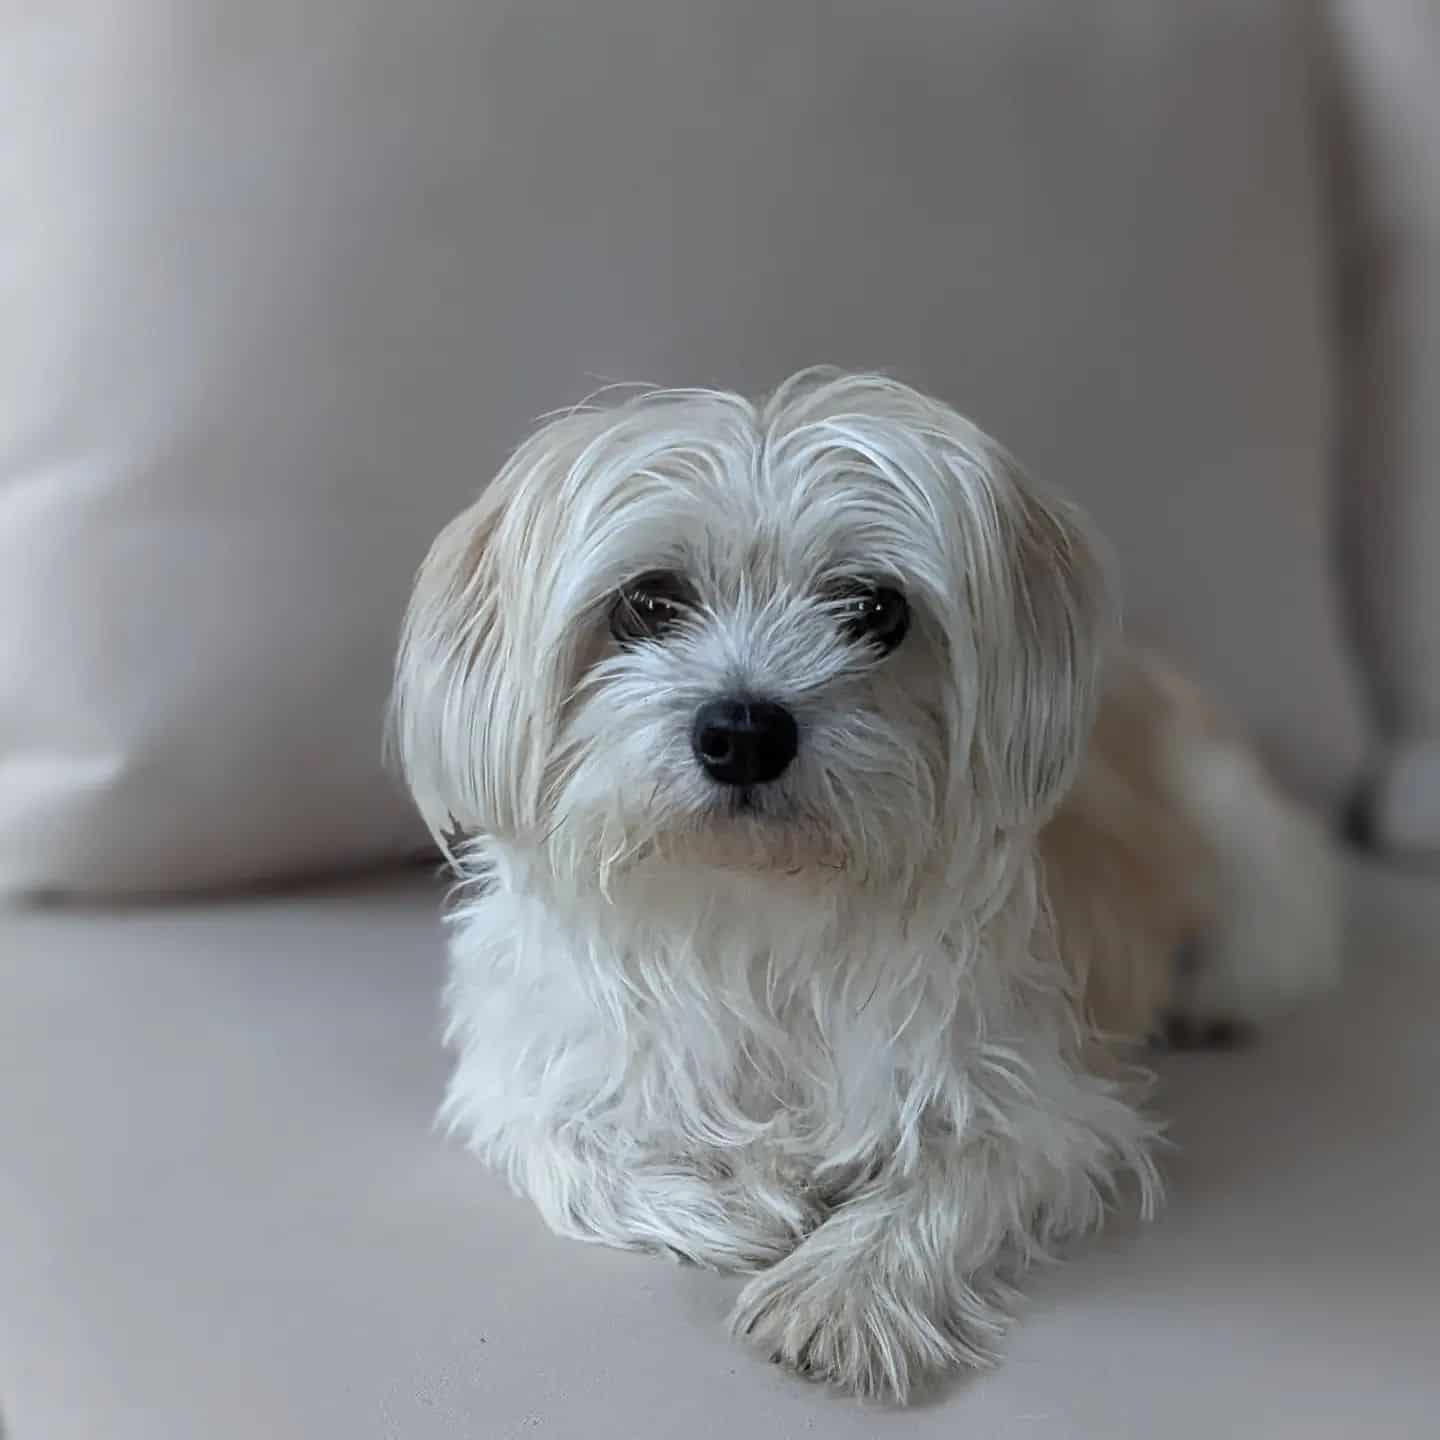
(1046,625)
(446,678)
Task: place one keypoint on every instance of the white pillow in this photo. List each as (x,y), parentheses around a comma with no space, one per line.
(282,283)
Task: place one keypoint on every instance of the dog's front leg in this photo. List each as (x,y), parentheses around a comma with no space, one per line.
(900,1281)
(711,1210)
(905,1278)
(893,1285)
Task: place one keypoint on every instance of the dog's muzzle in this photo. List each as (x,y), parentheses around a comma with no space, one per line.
(744,742)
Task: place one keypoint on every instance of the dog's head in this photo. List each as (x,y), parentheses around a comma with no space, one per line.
(837,630)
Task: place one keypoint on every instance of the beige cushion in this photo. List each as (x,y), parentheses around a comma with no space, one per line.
(283,283)
(1386,73)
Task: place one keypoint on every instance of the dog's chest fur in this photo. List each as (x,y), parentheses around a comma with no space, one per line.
(817,1037)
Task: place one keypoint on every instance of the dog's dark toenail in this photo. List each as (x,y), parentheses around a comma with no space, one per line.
(1179,1032)
(1224,1035)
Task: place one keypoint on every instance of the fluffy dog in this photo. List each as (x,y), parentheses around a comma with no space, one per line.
(788,939)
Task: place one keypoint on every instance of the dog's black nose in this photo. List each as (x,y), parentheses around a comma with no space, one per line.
(744,742)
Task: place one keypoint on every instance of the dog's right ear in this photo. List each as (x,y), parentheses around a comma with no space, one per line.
(474,706)
(446,676)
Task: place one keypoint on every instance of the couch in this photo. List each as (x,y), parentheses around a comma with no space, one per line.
(226,1214)
(282,284)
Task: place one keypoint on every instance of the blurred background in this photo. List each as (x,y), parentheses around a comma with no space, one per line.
(282,283)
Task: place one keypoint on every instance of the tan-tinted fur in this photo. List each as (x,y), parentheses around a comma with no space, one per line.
(1130,878)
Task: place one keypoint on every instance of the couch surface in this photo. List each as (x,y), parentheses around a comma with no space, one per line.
(225,1216)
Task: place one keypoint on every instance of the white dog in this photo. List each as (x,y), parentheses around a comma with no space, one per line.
(778,950)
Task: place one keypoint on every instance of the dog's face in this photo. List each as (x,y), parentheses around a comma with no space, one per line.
(835,632)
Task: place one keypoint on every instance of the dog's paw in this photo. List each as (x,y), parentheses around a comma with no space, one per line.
(864,1332)
(1179,1031)
(1197,1018)
(1274,935)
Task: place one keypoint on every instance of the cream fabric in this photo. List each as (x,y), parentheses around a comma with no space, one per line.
(1386,69)
(282,283)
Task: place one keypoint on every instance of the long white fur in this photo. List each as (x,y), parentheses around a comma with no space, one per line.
(830,1039)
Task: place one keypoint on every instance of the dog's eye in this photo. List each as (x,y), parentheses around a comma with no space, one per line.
(877,614)
(649,606)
